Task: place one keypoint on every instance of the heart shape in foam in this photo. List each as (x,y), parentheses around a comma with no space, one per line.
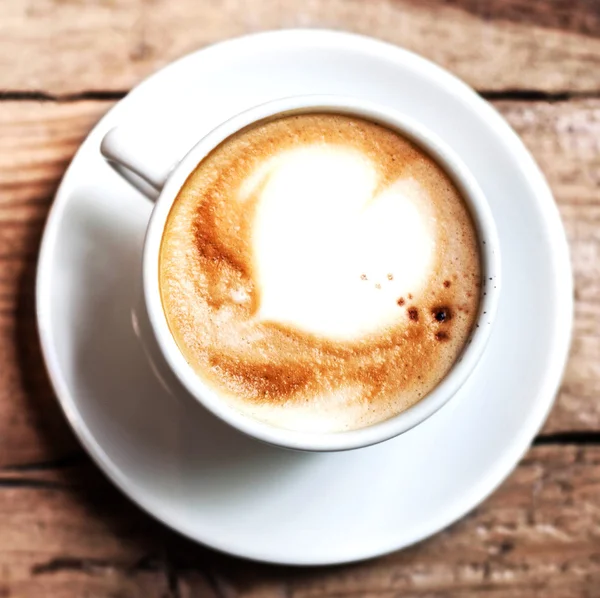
(333,252)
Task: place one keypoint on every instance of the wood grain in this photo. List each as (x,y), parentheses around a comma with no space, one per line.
(37,140)
(72,46)
(564,138)
(67,531)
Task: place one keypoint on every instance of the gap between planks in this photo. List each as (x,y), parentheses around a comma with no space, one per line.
(517,95)
(11,478)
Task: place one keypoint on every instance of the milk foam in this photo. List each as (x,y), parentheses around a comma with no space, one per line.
(320,272)
(333,248)
(331,412)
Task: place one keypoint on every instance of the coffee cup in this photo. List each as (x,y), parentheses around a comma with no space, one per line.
(142,165)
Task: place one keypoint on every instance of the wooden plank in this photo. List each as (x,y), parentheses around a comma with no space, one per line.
(65,47)
(38,139)
(563,138)
(67,532)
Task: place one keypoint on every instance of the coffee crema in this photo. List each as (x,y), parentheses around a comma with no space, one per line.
(320,272)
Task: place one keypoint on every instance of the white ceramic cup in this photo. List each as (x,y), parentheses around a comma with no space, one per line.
(143,167)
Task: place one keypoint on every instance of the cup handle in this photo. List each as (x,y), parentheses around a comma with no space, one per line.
(138,163)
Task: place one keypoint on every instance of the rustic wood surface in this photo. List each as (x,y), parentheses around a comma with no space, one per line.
(69,46)
(64,530)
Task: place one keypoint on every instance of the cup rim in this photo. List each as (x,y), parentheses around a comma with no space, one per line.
(473,349)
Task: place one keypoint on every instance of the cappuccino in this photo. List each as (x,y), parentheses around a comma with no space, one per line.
(320,272)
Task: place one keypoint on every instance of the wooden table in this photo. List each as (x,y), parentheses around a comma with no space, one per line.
(64,530)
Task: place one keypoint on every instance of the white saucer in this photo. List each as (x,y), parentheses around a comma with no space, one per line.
(199,476)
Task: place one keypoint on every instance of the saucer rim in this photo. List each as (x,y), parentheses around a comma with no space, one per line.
(541,402)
